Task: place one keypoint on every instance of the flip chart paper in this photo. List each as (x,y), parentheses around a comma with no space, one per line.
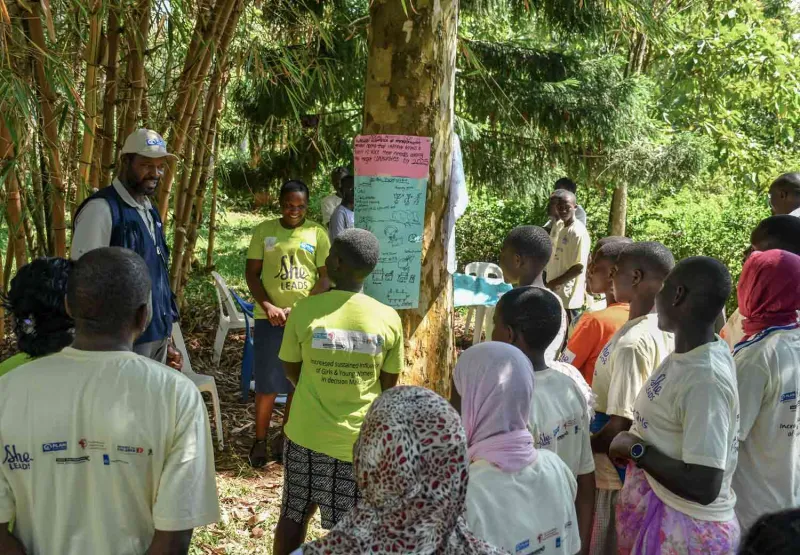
(393,208)
(396,155)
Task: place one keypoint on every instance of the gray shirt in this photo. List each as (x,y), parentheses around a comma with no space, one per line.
(342,218)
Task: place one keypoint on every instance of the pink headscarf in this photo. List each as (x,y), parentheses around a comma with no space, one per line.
(410,464)
(495,381)
(769,290)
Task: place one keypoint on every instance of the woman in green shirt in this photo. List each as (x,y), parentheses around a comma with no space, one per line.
(36,303)
(285,263)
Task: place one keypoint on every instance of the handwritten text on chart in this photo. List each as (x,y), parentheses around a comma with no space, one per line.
(397,155)
(393,208)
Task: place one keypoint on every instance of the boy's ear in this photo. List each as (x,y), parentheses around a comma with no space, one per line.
(680,295)
(638,276)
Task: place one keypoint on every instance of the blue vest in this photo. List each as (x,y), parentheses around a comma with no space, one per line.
(129,231)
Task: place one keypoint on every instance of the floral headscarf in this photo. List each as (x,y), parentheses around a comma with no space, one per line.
(411,468)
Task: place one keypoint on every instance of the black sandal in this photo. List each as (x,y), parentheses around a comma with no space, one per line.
(258,454)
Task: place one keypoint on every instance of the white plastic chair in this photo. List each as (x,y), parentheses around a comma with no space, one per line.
(484,315)
(230,317)
(206,384)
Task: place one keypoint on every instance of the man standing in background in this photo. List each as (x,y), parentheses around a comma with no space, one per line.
(784,195)
(330,202)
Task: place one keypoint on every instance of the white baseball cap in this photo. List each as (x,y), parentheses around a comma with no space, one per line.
(146,142)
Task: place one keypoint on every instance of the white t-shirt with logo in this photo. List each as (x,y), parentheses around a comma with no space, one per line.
(689,410)
(767,478)
(559,420)
(571,246)
(530,512)
(624,364)
(99,449)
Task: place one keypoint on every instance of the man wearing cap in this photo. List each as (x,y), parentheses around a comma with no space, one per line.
(123,216)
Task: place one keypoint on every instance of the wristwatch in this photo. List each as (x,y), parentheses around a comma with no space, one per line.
(637,451)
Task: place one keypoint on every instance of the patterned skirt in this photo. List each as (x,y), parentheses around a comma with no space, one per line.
(646,526)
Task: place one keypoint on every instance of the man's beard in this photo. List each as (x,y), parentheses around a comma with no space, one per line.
(137,185)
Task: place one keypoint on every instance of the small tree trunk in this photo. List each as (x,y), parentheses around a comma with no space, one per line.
(47,100)
(110,97)
(16,231)
(619,210)
(8,266)
(137,33)
(409,91)
(90,102)
(212,217)
(36,206)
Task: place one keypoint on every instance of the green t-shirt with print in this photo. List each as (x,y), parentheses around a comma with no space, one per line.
(344,340)
(291,258)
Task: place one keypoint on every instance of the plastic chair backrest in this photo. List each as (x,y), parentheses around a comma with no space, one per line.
(485,270)
(227,307)
(180,344)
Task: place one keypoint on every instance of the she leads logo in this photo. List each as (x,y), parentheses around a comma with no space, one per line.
(15,460)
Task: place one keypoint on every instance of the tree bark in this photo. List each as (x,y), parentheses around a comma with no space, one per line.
(619,210)
(110,96)
(409,91)
(47,101)
(90,101)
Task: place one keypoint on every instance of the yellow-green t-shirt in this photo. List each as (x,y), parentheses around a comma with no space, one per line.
(344,340)
(291,258)
(12,362)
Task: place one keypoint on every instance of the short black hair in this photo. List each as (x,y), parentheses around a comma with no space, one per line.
(106,288)
(612,239)
(359,249)
(774,534)
(532,241)
(708,284)
(293,186)
(610,250)
(532,312)
(567,184)
(787,182)
(651,256)
(341,171)
(36,299)
(564,195)
(779,232)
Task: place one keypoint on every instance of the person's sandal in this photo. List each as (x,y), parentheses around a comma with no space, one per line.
(258,454)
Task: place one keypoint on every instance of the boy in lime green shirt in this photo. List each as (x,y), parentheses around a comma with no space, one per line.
(341,349)
(285,263)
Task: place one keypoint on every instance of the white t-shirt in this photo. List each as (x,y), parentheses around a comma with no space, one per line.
(559,420)
(554,349)
(527,512)
(99,450)
(689,410)
(328,205)
(624,364)
(767,479)
(571,246)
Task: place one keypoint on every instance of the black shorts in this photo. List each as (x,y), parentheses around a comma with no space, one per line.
(268,369)
(311,480)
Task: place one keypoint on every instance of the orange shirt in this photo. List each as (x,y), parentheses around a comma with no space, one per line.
(593,331)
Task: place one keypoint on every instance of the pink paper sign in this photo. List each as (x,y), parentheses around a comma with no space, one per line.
(395,155)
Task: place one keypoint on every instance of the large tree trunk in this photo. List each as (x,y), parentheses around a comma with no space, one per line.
(90,101)
(409,91)
(47,101)
(110,96)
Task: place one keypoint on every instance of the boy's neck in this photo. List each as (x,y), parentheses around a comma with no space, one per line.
(641,306)
(536,358)
(610,298)
(94,342)
(350,286)
(531,279)
(690,337)
(570,221)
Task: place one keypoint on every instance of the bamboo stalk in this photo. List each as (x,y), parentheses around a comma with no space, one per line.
(47,101)
(137,45)
(8,265)
(36,206)
(110,97)
(195,71)
(90,102)
(16,232)
(212,217)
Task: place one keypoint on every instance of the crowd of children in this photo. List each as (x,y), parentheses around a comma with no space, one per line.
(603,415)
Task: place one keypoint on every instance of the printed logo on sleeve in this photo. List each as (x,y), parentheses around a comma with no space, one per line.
(92,445)
(522,546)
(789,396)
(269,243)
(308,247)
(655,386)
(552,533)
(130,450)
(347,340)
(55,446)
